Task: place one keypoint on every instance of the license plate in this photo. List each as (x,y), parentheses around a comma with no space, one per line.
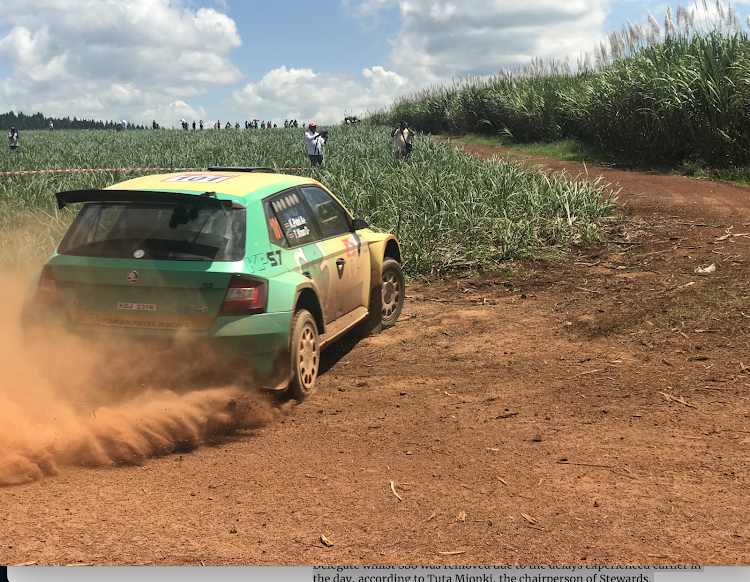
(136,306)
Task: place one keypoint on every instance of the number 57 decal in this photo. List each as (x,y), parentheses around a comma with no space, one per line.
(274,260)
(260,261)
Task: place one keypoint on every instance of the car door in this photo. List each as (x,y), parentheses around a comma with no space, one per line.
(290,226)
(349,254)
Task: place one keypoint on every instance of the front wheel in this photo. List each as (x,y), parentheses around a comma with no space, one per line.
(305,352)
(393,292)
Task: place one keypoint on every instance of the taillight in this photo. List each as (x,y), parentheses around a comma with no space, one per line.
(46,291)
(245,296)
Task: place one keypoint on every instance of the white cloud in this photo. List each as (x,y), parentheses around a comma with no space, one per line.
(439,40)
(113,58)
(325,98)
(443,39)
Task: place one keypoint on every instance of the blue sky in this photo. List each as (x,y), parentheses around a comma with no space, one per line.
(233,60)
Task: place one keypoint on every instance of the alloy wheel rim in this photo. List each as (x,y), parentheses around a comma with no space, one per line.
(391,293)
(308,357)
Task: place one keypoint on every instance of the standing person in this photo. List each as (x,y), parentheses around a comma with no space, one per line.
(262,124)
(51,126)
(201,125)
(193,124)
(13,137)
(315,143)
(402,135)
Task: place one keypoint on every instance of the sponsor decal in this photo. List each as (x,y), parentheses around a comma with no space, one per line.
(276,228)
(146,321)
(353,245)
(114,322)
(200,178)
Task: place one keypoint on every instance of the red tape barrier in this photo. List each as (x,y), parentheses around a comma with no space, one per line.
(122,170)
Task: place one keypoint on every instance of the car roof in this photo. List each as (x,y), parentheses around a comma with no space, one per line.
(251,186)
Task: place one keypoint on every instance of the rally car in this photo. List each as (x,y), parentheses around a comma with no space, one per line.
(267,267)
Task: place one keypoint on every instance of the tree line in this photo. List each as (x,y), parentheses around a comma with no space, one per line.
(22,121)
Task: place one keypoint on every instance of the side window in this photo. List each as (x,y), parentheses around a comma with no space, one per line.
(332,218)
(289,224)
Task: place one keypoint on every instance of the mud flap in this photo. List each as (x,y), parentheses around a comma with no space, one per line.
(282,373)
(373,323)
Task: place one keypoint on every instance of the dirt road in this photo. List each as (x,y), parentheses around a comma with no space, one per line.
(591,411)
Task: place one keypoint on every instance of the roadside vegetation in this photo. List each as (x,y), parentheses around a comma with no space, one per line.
(448,209)
(677,99)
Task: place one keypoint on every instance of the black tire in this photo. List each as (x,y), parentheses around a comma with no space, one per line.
(392,289)
(305,353)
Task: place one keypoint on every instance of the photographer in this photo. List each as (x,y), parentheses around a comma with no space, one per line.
(315,142)
(13,137)
(402,136)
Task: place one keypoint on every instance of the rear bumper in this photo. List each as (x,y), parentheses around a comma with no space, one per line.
(261,339)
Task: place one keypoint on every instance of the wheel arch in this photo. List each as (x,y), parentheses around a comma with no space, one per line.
(308,299)
(392,250)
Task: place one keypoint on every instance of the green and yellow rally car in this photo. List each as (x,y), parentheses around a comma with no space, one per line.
(263,266)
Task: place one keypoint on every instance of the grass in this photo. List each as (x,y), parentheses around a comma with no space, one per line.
(568,150)
(448,209)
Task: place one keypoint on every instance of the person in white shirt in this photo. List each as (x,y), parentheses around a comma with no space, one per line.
(402,136)
(315,143)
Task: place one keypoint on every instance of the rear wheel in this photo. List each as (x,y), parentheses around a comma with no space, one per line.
(305,355)
(393,292)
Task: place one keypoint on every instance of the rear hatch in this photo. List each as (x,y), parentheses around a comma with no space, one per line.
(160,261)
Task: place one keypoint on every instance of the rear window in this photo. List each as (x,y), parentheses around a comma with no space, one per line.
(168,232)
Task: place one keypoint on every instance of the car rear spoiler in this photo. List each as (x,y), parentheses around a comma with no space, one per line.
(207,199)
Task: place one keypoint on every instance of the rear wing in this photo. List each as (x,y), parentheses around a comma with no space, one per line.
(207,199)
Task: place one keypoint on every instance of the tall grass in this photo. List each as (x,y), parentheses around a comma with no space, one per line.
(685,98)
(448,209)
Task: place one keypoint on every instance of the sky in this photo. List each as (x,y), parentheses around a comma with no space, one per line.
(232,60)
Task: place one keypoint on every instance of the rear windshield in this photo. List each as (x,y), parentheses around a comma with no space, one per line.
(169,232)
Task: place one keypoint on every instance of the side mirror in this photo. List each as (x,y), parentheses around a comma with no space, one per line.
(359,224)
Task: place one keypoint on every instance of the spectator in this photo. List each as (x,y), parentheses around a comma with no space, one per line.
(315,143)
(262,124)
(13,137)
(51,126)
(236,124)
(286,124)
(402,135)
(193,124)
(201,124)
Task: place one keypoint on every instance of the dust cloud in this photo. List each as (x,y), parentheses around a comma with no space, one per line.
(68,401)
